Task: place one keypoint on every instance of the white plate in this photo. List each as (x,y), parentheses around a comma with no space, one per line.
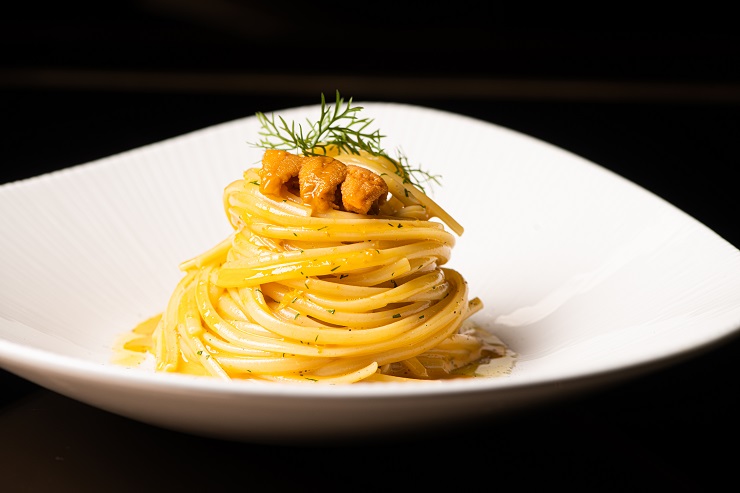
(589,278)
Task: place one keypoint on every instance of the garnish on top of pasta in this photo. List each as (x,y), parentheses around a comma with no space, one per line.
(334,272)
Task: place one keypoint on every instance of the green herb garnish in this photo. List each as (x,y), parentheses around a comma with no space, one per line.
(338,126)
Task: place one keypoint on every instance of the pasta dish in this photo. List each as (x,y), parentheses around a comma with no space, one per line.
(334,273)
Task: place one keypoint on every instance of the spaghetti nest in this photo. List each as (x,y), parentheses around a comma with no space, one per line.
(305,290)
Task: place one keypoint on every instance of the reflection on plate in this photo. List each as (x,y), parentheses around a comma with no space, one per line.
(587,277)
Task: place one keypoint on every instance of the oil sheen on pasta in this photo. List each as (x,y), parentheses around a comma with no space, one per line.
(334,273)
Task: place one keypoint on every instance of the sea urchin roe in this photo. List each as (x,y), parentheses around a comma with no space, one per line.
(322,182)
(319,181)
(278,168)
(363,191)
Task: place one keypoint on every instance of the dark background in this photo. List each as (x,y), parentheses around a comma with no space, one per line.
(651,95)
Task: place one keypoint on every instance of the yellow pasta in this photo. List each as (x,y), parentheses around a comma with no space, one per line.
(298,293)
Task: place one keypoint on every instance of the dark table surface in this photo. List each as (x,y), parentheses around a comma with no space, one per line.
(674,429)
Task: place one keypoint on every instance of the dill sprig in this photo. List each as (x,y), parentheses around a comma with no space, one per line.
(338,126)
